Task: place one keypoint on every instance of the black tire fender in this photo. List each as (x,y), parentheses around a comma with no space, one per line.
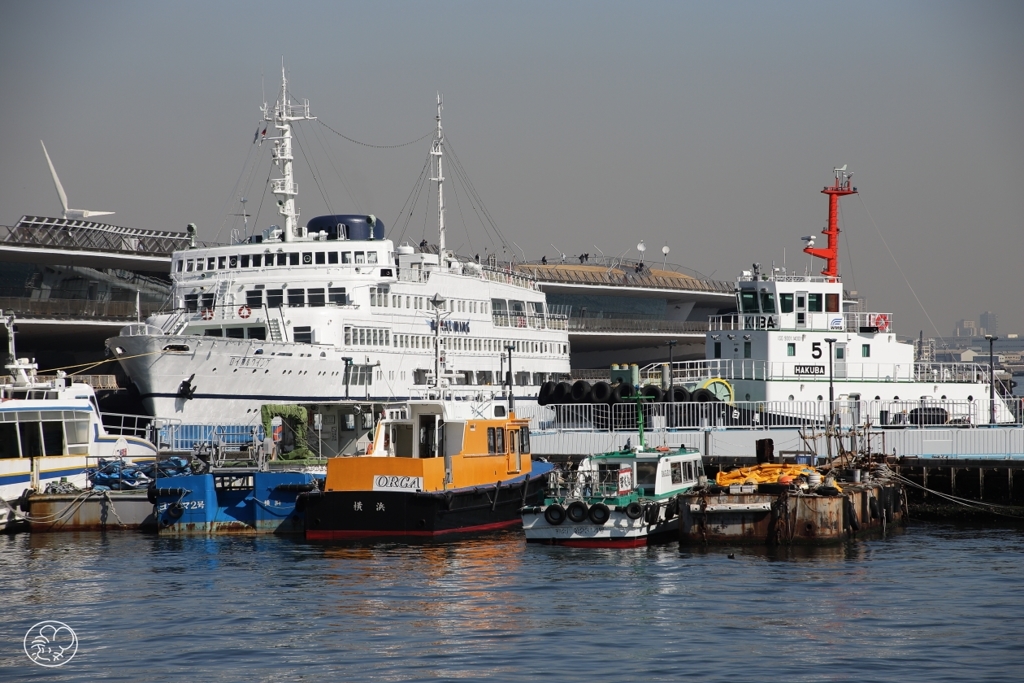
(554,514)
(599,514)
(634,510)
(577,511)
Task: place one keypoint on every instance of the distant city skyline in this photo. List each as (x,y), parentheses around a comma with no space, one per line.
(709,128)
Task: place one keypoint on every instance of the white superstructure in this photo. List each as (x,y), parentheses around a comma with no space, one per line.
(797,340)
(333,310)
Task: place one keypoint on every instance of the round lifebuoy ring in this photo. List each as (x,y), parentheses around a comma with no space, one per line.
(881,321)
(554,514)
(207,314)
(244,311)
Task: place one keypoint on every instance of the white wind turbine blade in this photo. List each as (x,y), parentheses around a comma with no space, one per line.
(71,214)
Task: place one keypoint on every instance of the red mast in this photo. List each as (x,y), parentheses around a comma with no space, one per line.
(830,253)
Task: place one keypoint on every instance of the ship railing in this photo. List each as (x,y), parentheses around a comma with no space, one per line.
(282,186)
(754,415)
(210,438)
(162,432)
(692,373)
(140,330)
(586,483)
(509,278)
(860,322)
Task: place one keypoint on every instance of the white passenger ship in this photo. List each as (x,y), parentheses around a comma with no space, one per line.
(333,310)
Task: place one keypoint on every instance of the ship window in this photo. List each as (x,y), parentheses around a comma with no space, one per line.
(346,257)
(191,303)
(293,258)
(275,298)
(786,302)
(307,258)
(221,262)
(746,349)
(190,266)
(282,259)
(767,302)
(320,258)
(524,439)
(647,474)
(199,264)
(316,297)
(296,297)
(814,303)
(257,260)
(245,260)
(840,353)
(360,257)
(348,336)
(235,333)
(210,262)
(677,473)
(257,333)
(302,335)
(791,349)
(254,298)
(232,262)
(178,265)
(214,333)
(206,300)
(718,349)
(495,440)
(371,257)
(332,257)
(336,295)
(831,303)
(865,351)
(748,301)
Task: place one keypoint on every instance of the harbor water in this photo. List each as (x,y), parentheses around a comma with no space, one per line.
(935,602)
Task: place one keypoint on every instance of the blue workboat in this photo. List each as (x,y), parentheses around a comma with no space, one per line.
(232,500)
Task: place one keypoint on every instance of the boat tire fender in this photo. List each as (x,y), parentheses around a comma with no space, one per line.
(851,515)
(873,507)
(175,510)
(634,511)
(577,511)
(554,514)
(599,514)
(652,513)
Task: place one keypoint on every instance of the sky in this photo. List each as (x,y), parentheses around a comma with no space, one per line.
(709,128)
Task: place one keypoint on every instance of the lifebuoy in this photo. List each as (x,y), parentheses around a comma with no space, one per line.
(244,311)
(881,321)
(207,314)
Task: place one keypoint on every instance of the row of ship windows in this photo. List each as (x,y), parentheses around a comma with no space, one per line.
(313,297)
(293,258)
(367,336)
(381,297)
(812,302)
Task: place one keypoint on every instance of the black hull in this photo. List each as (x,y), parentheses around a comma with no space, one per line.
(359,515)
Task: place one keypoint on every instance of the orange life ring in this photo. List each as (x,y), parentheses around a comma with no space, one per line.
(207,314)
(881,322)
(244,311)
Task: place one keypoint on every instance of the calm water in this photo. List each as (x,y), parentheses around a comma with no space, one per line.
(935,603)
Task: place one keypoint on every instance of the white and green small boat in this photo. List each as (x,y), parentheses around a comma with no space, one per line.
(621,499)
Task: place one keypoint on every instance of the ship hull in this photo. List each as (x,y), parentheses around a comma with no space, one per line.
(382,515)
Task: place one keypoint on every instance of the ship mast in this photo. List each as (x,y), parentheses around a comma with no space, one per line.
(437,150)
(285,187)
(830,253)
